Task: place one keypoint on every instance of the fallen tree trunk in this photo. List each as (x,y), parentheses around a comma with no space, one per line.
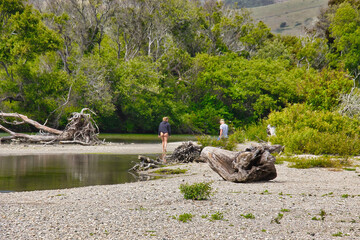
(253,164)
(81,129)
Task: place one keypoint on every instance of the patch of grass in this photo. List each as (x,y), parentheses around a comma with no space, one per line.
(338,234)
(263,230)
(204,216)
(141,208)
(328,194)
(170,171)
(345,195)
(322,215)
(284,210)
(58,195)
(265,192)
(350,169)
(279,160)
(248,216)
(196,191)
(185,217)
(277,218)
(217,216)
(320,162)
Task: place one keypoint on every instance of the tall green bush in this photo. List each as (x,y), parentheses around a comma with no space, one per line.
(302,130)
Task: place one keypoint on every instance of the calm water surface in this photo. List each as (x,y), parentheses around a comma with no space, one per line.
(40,172)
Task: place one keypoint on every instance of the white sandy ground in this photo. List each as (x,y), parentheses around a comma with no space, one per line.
(111,148)
(146,210)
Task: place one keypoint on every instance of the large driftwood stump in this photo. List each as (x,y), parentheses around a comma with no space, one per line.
(186,152)
(253,164)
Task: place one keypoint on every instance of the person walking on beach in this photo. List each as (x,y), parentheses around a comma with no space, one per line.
(164,133)
(224,129)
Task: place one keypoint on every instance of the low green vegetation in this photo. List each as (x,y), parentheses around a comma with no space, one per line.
(185,217)
(303,130)
(321,217)
(248,216)
(328,194)
(217,216)
(313,162)
(350,169)
(338,234)
(284,210)
(228,144)
(196,191)
(277,218)
(170,171)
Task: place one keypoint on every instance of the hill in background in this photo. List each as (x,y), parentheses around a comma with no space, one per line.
(284,16)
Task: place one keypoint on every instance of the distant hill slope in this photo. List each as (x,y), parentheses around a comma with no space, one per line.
(289,17)
(250,3)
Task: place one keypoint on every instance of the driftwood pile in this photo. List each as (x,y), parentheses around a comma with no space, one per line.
(81,129)
(253,164)
(146,163)
(186,152)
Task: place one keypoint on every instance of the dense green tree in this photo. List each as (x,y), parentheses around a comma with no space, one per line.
(24,38)
(345,29)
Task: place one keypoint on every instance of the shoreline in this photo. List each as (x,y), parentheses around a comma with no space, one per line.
(311,203)
(150,210)
(107,148)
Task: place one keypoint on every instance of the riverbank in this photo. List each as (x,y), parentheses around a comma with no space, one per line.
(298,204)
(107,148)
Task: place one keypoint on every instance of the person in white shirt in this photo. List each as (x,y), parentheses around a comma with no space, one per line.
(224,129)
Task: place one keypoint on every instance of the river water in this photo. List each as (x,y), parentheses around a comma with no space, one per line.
(40,172)
(59,171)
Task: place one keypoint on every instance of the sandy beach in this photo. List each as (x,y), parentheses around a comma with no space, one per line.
(108,148)
(298,204)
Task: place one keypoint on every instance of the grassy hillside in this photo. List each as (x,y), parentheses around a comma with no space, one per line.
(249,3)
(289,17)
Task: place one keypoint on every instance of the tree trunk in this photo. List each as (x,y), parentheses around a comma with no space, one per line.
(251,165)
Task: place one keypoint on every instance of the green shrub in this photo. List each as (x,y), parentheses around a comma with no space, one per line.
(228,144)
(185,217)
(217,216)
(302,130)
(256,132)
(196,191)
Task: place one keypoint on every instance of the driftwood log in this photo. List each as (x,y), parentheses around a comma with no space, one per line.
(146,163)
(81,129)
(186,152)
(253,164)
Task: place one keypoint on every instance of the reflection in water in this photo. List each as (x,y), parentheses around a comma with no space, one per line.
(40,172)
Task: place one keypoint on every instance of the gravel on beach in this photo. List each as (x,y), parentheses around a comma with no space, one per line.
(298,204)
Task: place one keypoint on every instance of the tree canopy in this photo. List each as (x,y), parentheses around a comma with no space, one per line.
(133,62)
